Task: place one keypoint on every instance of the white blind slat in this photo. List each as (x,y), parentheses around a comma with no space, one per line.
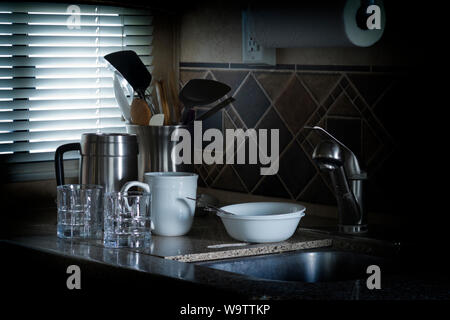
(59,135)
(52,19)
(61,124)
(58,62)
(43,30)
(69,72)
(86,41)
(49,156)
(56,104)
(103,82)
(50,62)
(33,146)
(49,94)
(36,115)
(72,52)
(54,82)
(41,7)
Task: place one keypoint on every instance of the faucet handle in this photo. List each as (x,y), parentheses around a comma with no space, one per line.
(325,134)
(354,171)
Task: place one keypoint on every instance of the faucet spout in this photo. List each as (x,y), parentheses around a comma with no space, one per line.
(333,157)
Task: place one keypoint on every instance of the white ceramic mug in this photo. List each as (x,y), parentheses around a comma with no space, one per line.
(171,212)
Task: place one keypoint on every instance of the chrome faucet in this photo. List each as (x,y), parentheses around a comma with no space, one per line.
(340,162)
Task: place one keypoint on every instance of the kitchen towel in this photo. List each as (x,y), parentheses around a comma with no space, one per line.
(314,24)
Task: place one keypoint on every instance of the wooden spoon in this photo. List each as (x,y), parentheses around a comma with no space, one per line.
(140,112)
(162,100)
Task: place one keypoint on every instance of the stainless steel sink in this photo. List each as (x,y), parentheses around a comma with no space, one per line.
(317,265)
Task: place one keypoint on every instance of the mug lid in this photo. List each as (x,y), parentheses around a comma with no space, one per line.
(108,138)
(109,144)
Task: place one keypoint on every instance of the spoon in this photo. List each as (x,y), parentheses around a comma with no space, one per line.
(157,120)
(209,207)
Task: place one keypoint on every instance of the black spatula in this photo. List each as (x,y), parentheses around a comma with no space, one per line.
(130,66)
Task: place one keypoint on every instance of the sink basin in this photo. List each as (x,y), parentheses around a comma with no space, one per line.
(316,265)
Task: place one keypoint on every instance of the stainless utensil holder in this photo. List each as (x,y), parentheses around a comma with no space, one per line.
(157,150)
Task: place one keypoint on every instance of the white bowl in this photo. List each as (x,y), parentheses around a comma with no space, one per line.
(262,221)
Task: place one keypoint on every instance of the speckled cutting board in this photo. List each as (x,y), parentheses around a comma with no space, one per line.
(208,240)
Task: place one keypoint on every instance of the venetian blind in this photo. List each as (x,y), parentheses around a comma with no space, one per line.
(54,84)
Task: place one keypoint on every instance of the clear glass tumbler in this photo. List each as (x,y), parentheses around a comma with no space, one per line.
(80,210)
(126,219)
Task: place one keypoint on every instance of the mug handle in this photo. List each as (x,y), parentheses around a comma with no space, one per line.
(130,184)
(139,184)
(59,164)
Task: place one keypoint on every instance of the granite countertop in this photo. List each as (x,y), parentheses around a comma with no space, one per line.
(167,258)
(207,240)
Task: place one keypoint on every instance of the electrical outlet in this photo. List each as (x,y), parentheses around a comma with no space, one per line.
(253,46)
(252,52)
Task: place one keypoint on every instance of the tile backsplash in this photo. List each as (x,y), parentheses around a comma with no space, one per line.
(360,105)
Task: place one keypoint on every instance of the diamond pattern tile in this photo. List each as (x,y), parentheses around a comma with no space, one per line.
(295,105)
(227,122)
(351,92)
(228,180)
(271,186)
(233,116)
(317,192)
(250,173)
(348,131)
(251,103)
(343,106)
(371,143)
(361,109)
(388,108)
(319,84)
(296,169)
(232,78)
(370,86)
(272,121)
(273,82)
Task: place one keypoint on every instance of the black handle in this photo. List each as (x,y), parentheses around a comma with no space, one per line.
(214,109)
(59,166)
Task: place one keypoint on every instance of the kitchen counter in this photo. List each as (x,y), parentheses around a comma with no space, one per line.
(157,268)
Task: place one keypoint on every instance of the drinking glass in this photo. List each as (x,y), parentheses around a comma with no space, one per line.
(79,211)
(127,219)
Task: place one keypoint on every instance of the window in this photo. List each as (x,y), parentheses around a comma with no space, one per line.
(54,84)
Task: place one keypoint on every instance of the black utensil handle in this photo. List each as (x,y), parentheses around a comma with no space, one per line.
(59,165)
(215,109)
(184,115)
(190,117)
